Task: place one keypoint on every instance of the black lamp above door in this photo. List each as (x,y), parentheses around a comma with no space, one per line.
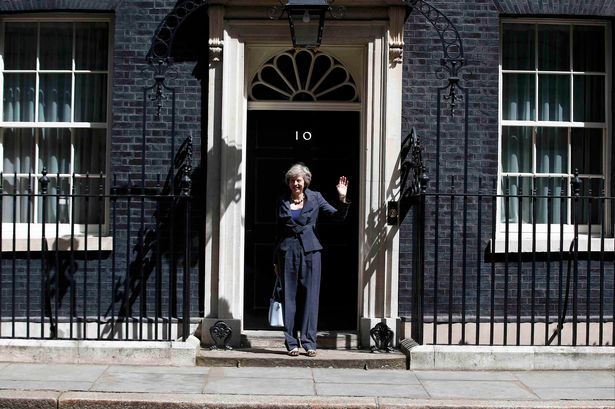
(306,19)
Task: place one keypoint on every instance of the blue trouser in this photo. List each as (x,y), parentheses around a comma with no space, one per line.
(301,283)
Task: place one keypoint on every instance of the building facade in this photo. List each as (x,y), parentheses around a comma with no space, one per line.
(144,145)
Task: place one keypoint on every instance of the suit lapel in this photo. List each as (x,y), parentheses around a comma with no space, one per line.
(308,205)
(286,210)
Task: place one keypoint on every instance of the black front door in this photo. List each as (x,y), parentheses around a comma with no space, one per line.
(328,143)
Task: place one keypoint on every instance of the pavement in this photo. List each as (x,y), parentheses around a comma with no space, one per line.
(64,386)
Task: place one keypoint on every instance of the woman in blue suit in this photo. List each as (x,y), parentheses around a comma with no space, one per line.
(297,254)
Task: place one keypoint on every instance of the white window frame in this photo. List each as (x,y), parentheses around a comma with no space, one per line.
(541,229)
(64,231)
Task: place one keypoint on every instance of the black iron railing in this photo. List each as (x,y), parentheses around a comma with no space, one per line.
(507,266)
(97,258)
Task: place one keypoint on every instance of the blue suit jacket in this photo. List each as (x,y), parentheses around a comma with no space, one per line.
(305,226)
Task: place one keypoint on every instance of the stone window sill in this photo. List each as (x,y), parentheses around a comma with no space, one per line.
(94,243)
(593,244)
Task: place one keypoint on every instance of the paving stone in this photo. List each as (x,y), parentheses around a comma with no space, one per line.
(272,373)
(46,385)
(52,372)
(476,390)
(255,386)
(194,370)
(466,375)
(362,389)
(576,393)
(371,376)
(571,379)
(89,400)
(150,382)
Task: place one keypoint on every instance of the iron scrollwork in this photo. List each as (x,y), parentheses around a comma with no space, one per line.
(158,57)
(453,60)
(186,181)
(162,69)
(164,35)
(414,177)
(220,332)
(382,336)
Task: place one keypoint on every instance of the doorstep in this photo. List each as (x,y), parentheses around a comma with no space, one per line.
(277,357)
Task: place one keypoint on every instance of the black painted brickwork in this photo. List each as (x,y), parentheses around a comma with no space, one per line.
(478,25)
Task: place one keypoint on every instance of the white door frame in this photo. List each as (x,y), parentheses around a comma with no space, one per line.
(240,47)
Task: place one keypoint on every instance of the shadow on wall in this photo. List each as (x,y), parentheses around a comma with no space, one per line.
(163,242)
(377,237)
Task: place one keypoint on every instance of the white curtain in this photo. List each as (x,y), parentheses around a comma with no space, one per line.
(518,97)
(554,97)
(551,157)
(19,97)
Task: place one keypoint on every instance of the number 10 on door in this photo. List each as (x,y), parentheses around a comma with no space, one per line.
(306,136)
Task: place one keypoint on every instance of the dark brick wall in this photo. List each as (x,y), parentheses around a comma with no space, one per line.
(133,25)
(478,25)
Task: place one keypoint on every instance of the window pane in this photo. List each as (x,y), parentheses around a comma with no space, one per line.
(516,202)
(554,97)
(552,150)
(16,201)
(54,98)
(56,50)
(19,97)
(54,146)
(587,151)
(54,199)
(588,49)
(88,206)
(18,146)
(553,48)
(518,96)
(20,46)
(517,149)
(90,148)
(91,46)
(90,97)
(549,203)
(589,98)
(518,47)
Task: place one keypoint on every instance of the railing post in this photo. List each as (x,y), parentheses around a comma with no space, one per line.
(576,191)
(186,185)
(44,181)
(419,259)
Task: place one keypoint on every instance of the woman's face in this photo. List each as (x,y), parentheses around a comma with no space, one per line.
(296,185)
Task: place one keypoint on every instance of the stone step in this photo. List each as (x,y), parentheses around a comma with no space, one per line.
(324,340)
(277,357)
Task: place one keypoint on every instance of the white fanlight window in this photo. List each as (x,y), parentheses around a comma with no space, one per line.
(55,82)
(303,76)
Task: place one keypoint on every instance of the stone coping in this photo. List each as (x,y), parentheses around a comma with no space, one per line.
(167,353)
(465,357)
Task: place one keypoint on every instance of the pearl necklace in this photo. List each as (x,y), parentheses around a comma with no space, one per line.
(298,201)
